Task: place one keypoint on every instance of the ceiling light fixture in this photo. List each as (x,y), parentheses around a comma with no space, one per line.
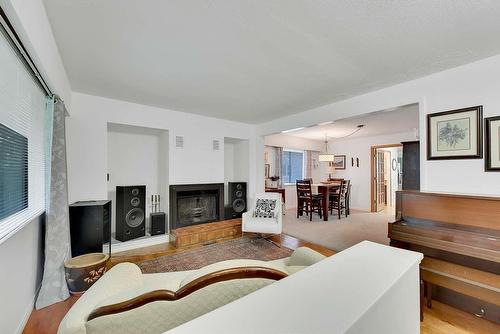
(292,130)
(326,157)
(325,123)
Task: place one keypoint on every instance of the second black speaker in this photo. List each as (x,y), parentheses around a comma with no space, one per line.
(237,199)
(130,212)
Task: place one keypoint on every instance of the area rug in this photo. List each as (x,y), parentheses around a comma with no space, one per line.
(241,248)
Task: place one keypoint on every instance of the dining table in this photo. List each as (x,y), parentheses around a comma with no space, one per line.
(325,189)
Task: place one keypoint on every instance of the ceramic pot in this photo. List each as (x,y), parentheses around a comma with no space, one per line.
(84,270)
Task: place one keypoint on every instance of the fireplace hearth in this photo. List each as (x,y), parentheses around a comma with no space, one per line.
(193,204)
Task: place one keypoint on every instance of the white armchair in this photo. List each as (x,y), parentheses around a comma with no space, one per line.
(267,225)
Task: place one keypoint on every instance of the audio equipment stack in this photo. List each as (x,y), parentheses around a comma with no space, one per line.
(90,226)
(237,200)
(157,219)
(130,212)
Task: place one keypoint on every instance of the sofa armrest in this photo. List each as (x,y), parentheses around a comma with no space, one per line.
(304,256)
(120,278)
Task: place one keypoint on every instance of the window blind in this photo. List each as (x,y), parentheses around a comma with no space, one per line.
(22,119)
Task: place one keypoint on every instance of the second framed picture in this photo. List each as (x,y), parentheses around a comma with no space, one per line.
(455,134)
(492,161)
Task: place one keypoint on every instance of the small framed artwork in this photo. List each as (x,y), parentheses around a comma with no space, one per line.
(492,147)
(267,168)
(455,134)
(339,161)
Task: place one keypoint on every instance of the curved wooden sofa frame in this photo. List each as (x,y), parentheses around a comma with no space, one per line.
(195,285)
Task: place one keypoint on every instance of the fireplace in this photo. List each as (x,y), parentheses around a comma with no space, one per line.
(193,204)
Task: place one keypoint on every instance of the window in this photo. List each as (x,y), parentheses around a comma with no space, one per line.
(13,172)
(293,166)
(22,142)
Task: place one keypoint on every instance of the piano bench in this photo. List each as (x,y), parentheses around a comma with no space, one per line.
(468,281)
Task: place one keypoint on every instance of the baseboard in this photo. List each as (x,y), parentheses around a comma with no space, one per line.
(361,209)
(27,313)
(136,243)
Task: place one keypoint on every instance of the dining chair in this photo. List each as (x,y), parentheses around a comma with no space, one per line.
(338,200)
(306,200)
(333,179)
(348,199)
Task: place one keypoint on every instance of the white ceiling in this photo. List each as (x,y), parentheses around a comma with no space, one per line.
(398,120)
(254,61)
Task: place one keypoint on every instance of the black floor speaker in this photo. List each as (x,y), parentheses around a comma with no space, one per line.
(90,226)
(130,212)
(158,223)
(237,200)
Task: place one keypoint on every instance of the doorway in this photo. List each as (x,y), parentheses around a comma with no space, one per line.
(386,177)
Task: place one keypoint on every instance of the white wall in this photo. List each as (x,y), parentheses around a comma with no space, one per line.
(297,143)
(197,162)
(360,176)
(236,164)
(241,163)
(469,85)
(21,259)
(134,158)
(228,167)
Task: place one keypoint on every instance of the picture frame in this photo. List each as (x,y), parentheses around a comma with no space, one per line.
(492,144)
(339,161)
(455,134)
(267,168)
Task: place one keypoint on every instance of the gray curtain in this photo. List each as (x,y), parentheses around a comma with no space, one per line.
(279,163)
(57,238)
(309,165)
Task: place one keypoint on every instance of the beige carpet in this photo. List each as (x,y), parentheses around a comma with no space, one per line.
(338,234)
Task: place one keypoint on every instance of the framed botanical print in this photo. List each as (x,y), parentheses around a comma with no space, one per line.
(492,147)
(455,134)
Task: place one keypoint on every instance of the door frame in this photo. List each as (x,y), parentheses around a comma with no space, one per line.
(373,157)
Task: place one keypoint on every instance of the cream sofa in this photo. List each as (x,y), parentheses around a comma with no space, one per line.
(126,281)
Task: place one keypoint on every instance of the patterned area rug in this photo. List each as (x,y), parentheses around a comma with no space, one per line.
(242,248)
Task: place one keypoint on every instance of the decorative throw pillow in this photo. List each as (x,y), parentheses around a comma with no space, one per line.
(264,208)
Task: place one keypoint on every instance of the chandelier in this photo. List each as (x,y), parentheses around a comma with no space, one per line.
(325,156)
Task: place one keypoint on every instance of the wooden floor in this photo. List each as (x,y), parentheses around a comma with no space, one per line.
(441,319)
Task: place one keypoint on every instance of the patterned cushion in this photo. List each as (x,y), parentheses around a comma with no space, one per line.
(264,208)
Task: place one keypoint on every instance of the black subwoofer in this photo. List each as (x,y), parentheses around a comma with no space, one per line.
(237,199)
(90,226)
(158,223)
(130,212)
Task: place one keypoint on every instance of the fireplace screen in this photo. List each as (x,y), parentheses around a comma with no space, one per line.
(196,209)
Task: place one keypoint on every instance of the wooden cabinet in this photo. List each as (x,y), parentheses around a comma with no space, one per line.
(411,165)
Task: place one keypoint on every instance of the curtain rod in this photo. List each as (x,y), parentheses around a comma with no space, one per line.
(21,50)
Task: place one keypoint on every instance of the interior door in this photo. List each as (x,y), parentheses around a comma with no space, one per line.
(380,181)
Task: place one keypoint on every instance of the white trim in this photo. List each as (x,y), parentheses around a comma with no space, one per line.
(12,223)
(136,243)
(293,150)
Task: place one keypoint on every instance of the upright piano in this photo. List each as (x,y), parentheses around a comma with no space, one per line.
(459,236)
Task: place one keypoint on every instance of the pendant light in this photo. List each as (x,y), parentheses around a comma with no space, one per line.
(326,157)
